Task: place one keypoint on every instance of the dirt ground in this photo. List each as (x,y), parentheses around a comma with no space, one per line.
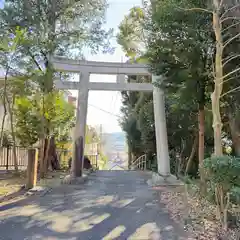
(12,185)
(198,217)
(10,182)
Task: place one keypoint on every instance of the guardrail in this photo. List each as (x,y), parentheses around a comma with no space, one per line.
(139,163)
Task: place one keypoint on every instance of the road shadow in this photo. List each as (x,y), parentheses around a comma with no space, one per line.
(103,208)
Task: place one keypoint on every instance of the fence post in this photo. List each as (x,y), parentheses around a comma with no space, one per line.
(32,168)
(7,158)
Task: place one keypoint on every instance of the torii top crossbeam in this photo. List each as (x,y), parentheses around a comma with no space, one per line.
(92,67)
(69,65)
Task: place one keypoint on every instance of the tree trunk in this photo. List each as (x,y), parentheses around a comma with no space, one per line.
(218,80)
(235,133)
(41,157)
(4,106)
(53,160)
(201,146)
(47,143)
(49,158)
(217,125)
(129,158)
(179,159)
(201,123)
(194,148)
(12,133)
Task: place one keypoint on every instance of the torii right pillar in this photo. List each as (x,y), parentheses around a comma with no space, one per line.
(163,159)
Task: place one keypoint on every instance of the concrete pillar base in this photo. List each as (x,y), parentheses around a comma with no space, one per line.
(69,179)
(159,180)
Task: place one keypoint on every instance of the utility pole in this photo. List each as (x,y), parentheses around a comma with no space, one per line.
(100,142)
(100,136)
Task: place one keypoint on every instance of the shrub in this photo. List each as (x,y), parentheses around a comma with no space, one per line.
(222,174)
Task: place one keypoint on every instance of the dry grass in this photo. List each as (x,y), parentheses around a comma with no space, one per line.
(11,182)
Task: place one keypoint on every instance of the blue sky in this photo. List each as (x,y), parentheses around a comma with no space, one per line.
(108,101)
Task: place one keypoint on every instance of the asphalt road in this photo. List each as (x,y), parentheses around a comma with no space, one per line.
(111,205)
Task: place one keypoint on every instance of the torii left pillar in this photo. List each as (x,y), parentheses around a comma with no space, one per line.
(80,128)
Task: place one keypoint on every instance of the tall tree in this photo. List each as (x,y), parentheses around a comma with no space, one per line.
(177,45)
(180,47)
(129,125)
(230,98)
(55,27)
(10,52)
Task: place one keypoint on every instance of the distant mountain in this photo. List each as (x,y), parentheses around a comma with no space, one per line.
(115,148)
(114,142)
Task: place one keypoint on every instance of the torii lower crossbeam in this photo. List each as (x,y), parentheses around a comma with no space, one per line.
(104,86)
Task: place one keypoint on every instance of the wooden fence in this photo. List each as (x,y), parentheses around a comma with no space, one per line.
(7,159)
(64,156)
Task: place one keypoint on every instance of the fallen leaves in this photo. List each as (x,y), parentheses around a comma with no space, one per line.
(197,216)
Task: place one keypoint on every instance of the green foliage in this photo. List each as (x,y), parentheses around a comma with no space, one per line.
(91,135)
(235,194)
(7,139)
(59,27)
(28,122)
(102,161)
(131,34)
(129,122)
(52,112)
(42,29)
(177,45)
(223,171)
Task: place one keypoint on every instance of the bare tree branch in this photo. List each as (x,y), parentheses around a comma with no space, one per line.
(229,10)
(230,59)
(232,90)
(232,72)
(229,18)
(221,3)
(229,79)
(227,28)
(34,60)
(230,40)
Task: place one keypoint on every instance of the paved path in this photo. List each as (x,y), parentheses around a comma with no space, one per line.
(112,205)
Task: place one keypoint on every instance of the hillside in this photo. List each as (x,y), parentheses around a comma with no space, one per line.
(114,142)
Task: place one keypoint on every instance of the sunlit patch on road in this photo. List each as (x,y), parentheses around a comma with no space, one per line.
(115,233)
(146,231)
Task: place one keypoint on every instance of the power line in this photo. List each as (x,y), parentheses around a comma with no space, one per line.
(115,115)
(113,102)
(112,98)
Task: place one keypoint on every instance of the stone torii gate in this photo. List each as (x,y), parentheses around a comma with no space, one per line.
(85,69)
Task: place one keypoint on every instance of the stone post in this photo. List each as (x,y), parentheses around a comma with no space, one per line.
(80,128)
(32,168)
(160,129)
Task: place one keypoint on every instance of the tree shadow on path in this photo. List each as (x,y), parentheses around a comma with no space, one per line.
(100,209)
